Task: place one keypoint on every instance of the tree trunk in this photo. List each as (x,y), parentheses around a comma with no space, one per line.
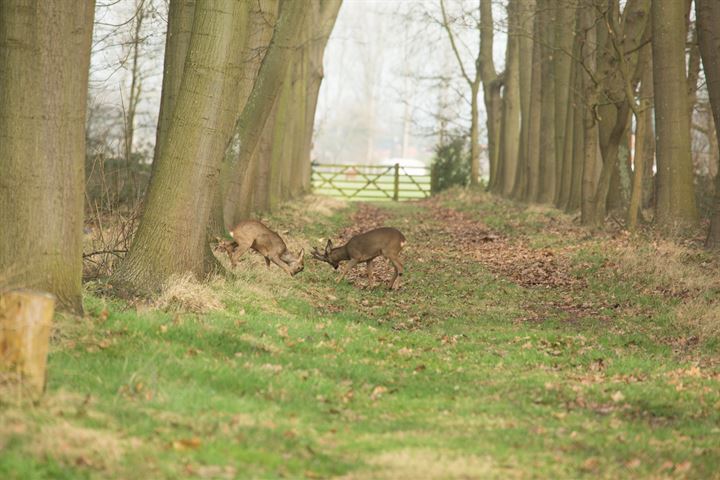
(526,10)
(261,22)
(324,22)
(260,184)
(564,46)
(172,238)
(510,132)
(491,87)
(569,133)
(546,192)
(708,28)
(25,325)
(267,87)
(578,148)
(643,121)
(474,135)
(535,110)
(44,62)
(590,124)
(180,21)
(675,191)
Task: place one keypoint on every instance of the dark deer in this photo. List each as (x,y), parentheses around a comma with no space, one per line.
(252,234)
(365,247)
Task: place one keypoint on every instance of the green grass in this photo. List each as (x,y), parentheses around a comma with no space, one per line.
(446,378)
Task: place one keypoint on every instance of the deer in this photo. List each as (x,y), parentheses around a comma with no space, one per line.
(251,234)
(365,247)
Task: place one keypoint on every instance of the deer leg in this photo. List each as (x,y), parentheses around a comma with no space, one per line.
(236,254)
(276,260)
(267,262)
(395,282)
(370,273)
(349,266)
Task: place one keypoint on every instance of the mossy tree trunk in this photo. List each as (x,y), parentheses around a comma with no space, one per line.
(262,19)
(547,166)
(708,28)
(533,146)
(171,238)
(180,21)
(526,10)
(675,190)
(267,87)
(510,129)
(44,62)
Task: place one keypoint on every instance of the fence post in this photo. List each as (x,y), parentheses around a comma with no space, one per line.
(396,192)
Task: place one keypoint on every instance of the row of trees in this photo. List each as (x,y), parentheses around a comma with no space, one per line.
(235,73)
(594,107)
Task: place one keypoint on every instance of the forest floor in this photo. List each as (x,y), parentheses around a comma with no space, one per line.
(519,346)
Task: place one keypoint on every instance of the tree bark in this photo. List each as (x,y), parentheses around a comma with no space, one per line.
(180,21)
(642,122)
(171,238)
(564,46)
(569,133)
(548,172)
(510,131)
(675,191)
(708,30)
(267,87)
(535,109)
(590,124)
(527,13)
(44,62)
(25,325)
(262,20)
(492,84)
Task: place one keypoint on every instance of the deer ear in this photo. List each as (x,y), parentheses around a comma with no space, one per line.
(328,246)
(301,256)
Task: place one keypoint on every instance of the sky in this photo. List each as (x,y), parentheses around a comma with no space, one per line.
(390,74)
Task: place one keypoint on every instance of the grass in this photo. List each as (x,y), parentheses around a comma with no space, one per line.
(544,353)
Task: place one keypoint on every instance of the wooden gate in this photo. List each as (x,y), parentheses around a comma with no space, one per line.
(371,182)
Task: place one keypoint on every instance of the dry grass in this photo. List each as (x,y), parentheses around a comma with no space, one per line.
(185,293)
(701,316)
(684,272)
(414,463)
(669,266)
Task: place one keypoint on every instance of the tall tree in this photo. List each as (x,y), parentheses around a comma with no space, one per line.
(260,104)
(525,53)
(534,125)
(171,238)
(510,128)
(44,61)
(708,30)
(474,85)
(563,64)
(492,85)
(546,38)
(675,191)
(261,24)
(180,21)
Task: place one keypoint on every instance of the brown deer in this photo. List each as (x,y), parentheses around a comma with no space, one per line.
(251,234)
(365,247)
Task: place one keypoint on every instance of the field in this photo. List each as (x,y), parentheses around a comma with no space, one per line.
(519,346)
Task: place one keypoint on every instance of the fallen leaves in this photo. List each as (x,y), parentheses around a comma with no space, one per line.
(186,444)
(378,392)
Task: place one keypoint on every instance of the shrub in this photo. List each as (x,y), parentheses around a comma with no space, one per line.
(450,164)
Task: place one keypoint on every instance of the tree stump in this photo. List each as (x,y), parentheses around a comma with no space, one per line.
(25,322)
